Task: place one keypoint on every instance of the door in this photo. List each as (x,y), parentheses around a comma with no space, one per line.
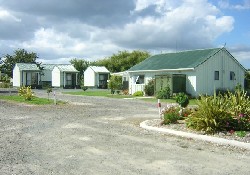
(179,83)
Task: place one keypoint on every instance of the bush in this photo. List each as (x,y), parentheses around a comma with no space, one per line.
(182,99)
(115,83)
(238,103)
(4,85)
(84,88)
(26,93)
(171,114)
(150,88)
(138,94)
(49,90)
(125,92)
(211,116)
(164,93)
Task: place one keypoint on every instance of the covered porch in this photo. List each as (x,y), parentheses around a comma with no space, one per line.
(31,78)
(176,82)
(70,80)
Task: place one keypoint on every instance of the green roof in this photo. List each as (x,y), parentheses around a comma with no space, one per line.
(66,68)
(179,60)
(27,67)
(48,66)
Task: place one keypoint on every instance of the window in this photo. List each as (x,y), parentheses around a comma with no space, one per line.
(68,79)
(139,79)
(101,77)
(232,75)
(216,75)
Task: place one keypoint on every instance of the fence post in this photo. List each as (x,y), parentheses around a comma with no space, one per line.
(54,93)
(159,107)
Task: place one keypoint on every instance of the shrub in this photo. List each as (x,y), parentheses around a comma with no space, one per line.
(164,93)
(4,85)
(170,114)
(186,112)
(115,83)
(49,90)
(84,88)
(182,99)
(138,94)
(26,93)
(150,88)
(230,112)
(238,103)
(211,116)
(125,92)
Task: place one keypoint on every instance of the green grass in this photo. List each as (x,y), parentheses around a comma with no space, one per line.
(35,100)
(106,93)
(101,93)
(98,93)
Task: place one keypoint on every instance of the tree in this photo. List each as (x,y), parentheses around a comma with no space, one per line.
(19,56)
(115,83)
(247,80)
(81,65)
(123,60)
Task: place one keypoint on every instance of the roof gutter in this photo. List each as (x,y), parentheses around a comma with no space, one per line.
(166,70)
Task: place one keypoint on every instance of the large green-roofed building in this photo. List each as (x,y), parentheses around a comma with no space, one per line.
(194,72)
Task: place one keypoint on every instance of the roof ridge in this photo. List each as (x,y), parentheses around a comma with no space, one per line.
(186,51)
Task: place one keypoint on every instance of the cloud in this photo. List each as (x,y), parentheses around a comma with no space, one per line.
(56,45)
(191,24)
(6,16)
(92,29)
(226,5)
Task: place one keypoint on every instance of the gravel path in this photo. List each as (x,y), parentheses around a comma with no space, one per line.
(94,135)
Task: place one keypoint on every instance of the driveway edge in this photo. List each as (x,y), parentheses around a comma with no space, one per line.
(216,140)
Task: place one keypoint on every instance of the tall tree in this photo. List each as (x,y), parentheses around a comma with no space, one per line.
(123,60)
(19,56)
(80,65)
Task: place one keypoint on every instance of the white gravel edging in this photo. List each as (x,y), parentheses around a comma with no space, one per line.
(220,141)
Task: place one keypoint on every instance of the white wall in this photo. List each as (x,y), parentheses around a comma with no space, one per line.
(224,63)
(56,77)
(16,77)
(89,78)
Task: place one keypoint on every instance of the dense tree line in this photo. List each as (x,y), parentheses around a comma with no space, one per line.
(123,60)
(20,56)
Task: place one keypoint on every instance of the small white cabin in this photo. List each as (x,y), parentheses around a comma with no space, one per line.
(26,74)
(96,77)
(64,75)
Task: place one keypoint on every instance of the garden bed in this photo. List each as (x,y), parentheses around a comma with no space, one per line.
(181,126)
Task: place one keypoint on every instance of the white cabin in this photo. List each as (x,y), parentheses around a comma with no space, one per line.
(65,76)
(96,77)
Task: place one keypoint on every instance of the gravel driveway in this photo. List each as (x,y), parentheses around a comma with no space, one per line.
(94,135)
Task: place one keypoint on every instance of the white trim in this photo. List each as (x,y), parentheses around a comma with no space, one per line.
(160,70)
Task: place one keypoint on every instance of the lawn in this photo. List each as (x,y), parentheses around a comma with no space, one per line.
(98,93)
(35,100)
(106,93)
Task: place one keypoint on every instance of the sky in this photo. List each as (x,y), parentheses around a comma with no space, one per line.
(59,30)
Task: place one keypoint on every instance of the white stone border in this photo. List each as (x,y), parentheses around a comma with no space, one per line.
(220,141)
